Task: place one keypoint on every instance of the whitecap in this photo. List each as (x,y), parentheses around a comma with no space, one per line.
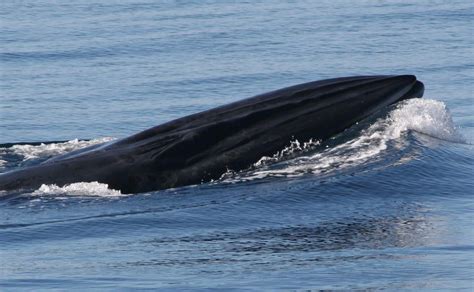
(52,149)
(80,189)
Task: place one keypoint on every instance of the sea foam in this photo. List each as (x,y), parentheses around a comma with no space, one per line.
(53,149)
(81,189)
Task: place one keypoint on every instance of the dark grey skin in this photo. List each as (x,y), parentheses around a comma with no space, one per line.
(201,147)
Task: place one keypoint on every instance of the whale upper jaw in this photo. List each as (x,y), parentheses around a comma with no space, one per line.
(417,91)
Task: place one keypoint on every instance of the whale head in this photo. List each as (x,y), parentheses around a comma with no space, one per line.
(203,146)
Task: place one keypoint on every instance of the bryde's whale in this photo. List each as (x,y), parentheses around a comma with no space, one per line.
(202,146)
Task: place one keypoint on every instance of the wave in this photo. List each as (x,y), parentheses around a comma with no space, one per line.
(425,116)
(31,151)
(53,149)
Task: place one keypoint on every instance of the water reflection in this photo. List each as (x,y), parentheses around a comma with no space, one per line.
(358,233)
(344,239)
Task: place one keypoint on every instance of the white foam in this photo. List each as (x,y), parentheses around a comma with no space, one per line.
(294,147)
(81,189)
(425,116)
(53,149)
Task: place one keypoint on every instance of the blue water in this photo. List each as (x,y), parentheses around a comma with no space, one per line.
(387,205)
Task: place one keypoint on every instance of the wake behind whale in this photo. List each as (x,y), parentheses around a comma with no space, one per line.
(203,146)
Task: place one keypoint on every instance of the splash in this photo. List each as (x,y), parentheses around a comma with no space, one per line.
(429,117)
(295,147)
(426,116)
(82,189)
(47,150)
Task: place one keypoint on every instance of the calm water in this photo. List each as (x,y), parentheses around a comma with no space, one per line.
(388,204)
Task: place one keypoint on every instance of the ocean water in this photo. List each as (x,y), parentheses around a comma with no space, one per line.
(386,205)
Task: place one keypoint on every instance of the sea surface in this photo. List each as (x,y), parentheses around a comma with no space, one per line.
(388,204)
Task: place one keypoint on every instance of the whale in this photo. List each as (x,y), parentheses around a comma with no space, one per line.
(201,147)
